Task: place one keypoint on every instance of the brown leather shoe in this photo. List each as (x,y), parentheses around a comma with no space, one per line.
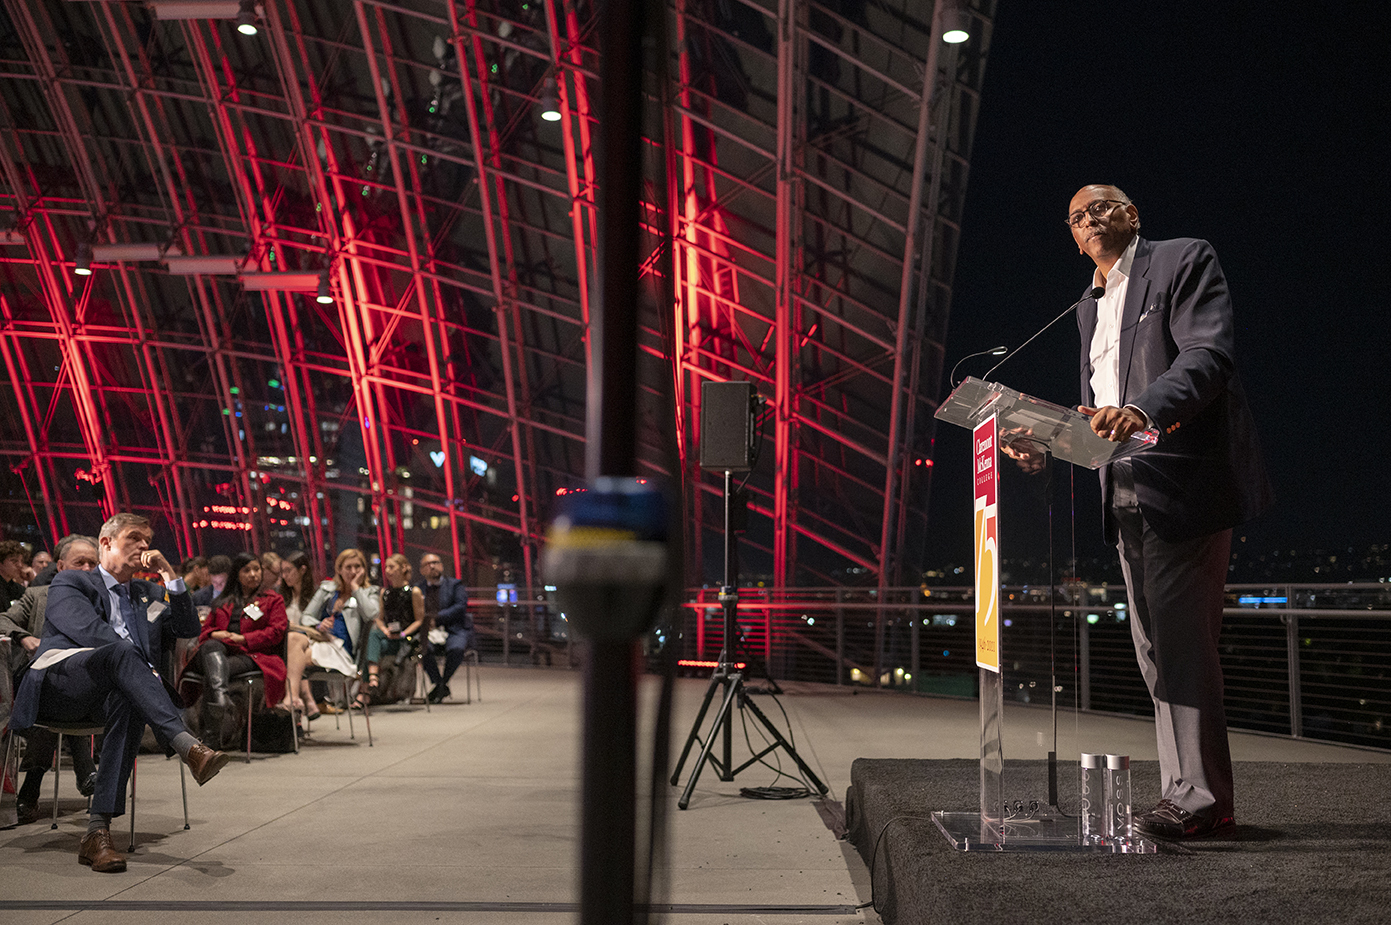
(98,853)
(204,762)
(1168,820)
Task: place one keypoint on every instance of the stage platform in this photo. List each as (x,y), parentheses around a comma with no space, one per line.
(467,815)
(1311,846)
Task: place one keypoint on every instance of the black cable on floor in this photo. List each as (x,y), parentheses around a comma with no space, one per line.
(757,793)
(774,793)
(874,856)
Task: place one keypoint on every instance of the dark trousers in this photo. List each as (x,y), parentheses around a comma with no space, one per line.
(456,644)
(111,681)
(1176,598)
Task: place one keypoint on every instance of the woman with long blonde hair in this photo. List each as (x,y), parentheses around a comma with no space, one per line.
(333,621)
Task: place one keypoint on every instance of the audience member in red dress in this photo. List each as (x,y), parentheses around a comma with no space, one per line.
(245,630)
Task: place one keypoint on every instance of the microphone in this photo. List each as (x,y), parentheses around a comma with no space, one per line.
(1095,292)
(993,351)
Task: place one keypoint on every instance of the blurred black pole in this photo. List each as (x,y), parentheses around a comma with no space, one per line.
(609,785)
(611,427)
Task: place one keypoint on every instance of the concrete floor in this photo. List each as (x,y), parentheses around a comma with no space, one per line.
(468,814)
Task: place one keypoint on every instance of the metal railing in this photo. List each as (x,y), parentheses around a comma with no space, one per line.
(1308,660)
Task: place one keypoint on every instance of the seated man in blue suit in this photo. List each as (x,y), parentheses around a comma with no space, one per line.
(446,605)
(104,637)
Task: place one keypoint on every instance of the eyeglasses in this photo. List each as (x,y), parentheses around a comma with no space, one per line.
(1095,210)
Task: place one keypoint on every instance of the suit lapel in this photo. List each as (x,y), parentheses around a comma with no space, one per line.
(1135,293)
(1086,323)
(103,594)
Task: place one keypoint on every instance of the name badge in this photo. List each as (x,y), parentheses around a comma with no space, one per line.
(154,610)
(253,612)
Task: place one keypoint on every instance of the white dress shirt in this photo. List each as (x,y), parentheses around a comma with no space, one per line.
(1106,339)
(118,620)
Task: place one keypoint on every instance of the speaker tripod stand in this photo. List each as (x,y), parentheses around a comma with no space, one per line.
(729,678)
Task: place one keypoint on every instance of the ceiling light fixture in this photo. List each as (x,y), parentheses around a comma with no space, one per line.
(325,296)
(246,17)
(195,9)
(279,282)
(203,266)
(115,253)
(84,260)
(550,109)
(956,25)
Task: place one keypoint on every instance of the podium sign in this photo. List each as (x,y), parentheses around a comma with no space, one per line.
(987,517)
(986,478)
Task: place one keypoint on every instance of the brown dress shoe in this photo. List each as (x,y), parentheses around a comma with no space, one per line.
(1168,820)
(98,853)
(204,762)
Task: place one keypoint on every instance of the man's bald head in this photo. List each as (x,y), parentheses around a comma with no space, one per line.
(1105,191)
(1104,221)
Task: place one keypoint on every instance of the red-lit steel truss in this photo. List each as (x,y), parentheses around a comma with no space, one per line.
(807,167)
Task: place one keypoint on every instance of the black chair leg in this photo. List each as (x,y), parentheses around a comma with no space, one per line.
(57,768)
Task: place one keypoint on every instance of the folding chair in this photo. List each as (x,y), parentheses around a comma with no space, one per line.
(88,728)
(329,676)
(251,677)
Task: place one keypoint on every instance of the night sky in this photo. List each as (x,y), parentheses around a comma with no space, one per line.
(1260,127)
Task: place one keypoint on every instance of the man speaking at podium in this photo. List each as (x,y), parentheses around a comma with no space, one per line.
(1157,351)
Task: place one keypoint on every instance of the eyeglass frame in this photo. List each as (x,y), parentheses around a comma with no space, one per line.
(1076,219)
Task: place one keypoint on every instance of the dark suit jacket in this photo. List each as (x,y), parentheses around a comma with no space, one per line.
(24,618)
(1177,364)
(78,616)
(453,613)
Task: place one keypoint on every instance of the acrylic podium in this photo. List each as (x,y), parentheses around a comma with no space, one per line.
(1003,420)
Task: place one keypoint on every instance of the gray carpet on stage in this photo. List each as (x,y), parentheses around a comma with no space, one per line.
(1311,846)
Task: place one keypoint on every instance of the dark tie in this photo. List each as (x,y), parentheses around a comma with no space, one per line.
(432,599)
(126,618)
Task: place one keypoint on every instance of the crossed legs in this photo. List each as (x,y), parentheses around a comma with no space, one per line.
(297,690)
(115,681)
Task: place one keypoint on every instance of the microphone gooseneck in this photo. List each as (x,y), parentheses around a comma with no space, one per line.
(993,351)
(1095,292)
